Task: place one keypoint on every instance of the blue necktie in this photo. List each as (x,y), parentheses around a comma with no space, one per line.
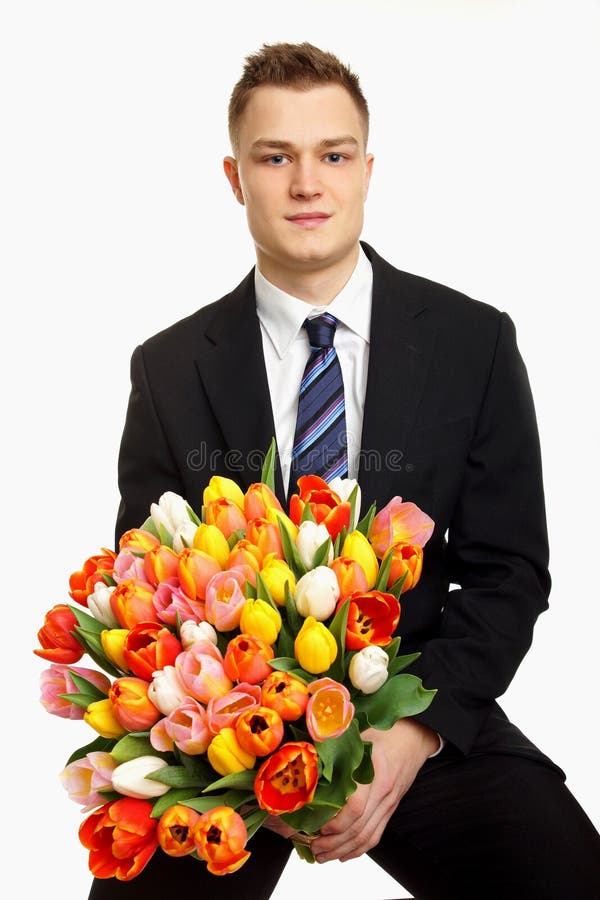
(320,443)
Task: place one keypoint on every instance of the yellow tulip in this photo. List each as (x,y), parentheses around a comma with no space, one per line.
(211,540)
(315,647)
(277,515)
(101,717)
(357,547)
(275,572)
(113,644)
(260,620)
(219,487)
(226,755)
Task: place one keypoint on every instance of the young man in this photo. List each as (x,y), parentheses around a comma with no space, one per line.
(437,409)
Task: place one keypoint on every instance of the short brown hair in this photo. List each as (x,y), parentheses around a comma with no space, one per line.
(301,66)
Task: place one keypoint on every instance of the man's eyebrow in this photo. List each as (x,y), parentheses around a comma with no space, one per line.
(274,143)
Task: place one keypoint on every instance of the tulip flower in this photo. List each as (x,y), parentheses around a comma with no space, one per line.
(226,755)
(246,557)
(100,715)
(329,710)
(310,537)
(220,838)
(226,515)
(210,540)
(225,599)
(407,560)
(82,583)
(317,593)
(166,691)
(368,669)
(149,647)
(201,671)
(131,703)
(287,779)
(315,647)
(220,487)
(172,604)
(160,563)
(287,695)
(258,499)
(186,727)
(326,506)
(176,828)
(138,541)
(195,569)
(399,521)
(261,620)
(357,547)
(59,645)
(191,632)
(247,659)
(99,604)
(57,680)
(171,512)
(132,602)
(259,731)
(121,838)
(184,536)
(266,536)
(276,574)
(277,516)
(129,778)
(343,487)
(350,576)
(84,778)
(113,645)
(223,712)
(127,565)
(372,619)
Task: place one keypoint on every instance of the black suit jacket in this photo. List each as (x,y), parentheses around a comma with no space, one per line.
(449,423)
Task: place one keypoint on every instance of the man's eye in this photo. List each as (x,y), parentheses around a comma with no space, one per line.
(335,157)
(276,160)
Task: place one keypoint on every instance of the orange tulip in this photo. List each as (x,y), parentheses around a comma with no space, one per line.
(220,837)
(132,602)
(226,515)
(138,541)
(247,659)
(56,637)
(266,536)
(160,563)
(258,499)
(407,559)
(175,830)
(372,619)
(150,647)
(350,575)
(326,506)
(121,838)
(285,694)
(399,521)
(131,704)
(195,570)
(259,731)
(245,557)
(288,778)
(82,582)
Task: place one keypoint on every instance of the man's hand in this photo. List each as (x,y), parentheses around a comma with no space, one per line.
(398,754)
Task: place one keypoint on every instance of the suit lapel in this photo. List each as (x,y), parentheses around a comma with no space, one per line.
(233,373)
(399,357)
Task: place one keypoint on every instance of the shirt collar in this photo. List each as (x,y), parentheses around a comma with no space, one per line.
(282,315)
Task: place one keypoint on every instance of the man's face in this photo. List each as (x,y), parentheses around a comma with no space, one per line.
(303,175)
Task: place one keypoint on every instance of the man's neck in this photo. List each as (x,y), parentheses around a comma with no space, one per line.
(317,287)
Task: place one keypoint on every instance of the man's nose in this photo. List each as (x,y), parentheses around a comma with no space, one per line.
(305,184)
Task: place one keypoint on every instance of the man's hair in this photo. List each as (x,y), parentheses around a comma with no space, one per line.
(299,66)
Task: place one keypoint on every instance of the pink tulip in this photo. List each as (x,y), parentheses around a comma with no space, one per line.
(223,712)
(84,778)
(329,710)
(399,521)
(201,672)
(225,598)
(57,680)
(128,565)
(170,599)
(186,727)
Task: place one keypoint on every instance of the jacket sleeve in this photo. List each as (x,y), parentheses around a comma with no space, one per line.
(146,465)
(497,557)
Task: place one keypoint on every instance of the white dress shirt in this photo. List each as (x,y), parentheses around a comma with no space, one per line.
(286,350)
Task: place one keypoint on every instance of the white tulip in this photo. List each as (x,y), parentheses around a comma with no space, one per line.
(343,487)
(317,593)
(130,778)
(99,605)
(184,535)
(191,632)
(309,539)
(170,512)
(368,669)
(166,690)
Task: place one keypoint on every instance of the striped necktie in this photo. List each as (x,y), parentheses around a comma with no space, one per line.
(320,443)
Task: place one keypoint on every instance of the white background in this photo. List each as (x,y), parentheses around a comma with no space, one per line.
(117,220)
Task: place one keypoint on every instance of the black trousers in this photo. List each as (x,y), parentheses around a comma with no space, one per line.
(486,827)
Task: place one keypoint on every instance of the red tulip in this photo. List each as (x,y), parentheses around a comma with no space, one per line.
(326,506)
(149,647)
(82,582)
(288,778)
(372,619)
(121,838)
(56,637)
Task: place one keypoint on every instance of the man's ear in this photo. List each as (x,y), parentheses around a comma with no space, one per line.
(231,173)
(368,172)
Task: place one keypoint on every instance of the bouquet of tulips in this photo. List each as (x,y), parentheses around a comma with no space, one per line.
(243,651)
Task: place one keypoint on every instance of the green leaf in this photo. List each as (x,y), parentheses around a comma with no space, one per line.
(365,772)
(254,821)
(87,622)
(151,527)
(244,781)
(340,756)
(364,526)
(284,663)
(384,571)
(304,851)
(263,592)
(100,743)
(285,641)
(198,766)
(87,687)
(130,746)
(193,517)
(337,670)
(82,700)
(249,590)
(396,587)
(235,799)
(392,648)
(175,795)
(268,468)
(235,536)
(93,647)
(307,514)
(177,777)
(293,616)
(292,557)
(352,501)
(311,817)
(165,537)
(322,553)
(402,662)
(400,696)
(108,580)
